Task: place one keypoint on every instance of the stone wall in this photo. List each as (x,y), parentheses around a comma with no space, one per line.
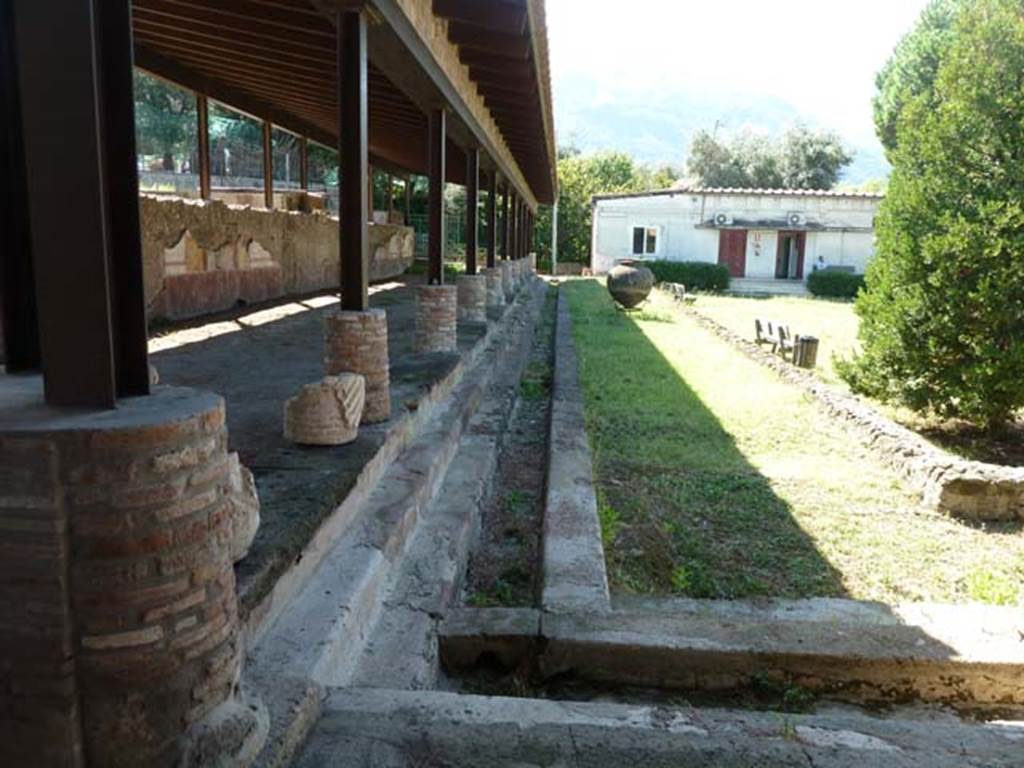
(207,256)
(947,483)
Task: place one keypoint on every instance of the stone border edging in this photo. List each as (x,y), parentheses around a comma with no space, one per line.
(575,578)
(947,483)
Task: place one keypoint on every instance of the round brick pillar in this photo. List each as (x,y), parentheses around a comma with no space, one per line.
(472,298)
(120,525)
(357,342)
(495,291)
(436,308)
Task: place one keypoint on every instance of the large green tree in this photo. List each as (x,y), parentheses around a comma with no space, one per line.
(910,73)
(580,177)
(800,159)
(942,318)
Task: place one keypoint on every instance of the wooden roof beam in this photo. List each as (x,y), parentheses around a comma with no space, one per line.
(496,16)
(495,43)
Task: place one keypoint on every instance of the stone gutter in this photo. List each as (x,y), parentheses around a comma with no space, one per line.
(967,489)
(575,578)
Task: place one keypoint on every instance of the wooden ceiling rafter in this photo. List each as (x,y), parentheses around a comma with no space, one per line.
(277,60)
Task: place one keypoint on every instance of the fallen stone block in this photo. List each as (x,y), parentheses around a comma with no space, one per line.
(326,412)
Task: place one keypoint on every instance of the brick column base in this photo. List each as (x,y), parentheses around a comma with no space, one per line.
(357,342)
(119,632)
(436,307)
(472,298)
(495,291)
(507,283)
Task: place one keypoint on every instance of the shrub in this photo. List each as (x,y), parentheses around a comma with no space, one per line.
(942,315)
(834,284)
(695,275)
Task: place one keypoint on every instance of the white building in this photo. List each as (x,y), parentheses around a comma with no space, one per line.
(757,233)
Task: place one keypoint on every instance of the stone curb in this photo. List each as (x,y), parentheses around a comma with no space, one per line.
(867,653)
(969,489)
(574,575)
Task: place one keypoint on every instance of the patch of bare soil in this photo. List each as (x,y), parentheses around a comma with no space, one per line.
(505,568)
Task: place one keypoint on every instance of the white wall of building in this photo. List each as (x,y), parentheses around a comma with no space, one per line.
(839,228)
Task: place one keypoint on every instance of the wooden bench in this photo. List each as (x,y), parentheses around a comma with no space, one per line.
(765,333)
(787,341)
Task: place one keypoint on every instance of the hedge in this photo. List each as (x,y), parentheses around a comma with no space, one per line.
(832,283)
(695,275)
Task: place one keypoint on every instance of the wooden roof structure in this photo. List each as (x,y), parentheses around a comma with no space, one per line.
(455,89)
(485,60)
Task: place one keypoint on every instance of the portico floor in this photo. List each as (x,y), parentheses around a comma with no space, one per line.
(256,359)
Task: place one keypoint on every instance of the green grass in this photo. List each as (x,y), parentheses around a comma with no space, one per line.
(833,322)
(717,479)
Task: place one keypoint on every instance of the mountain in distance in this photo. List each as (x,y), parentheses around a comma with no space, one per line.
(655,127)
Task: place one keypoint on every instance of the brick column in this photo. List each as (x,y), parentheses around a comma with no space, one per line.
(435,318)
(357,342)
(119,633)
(472,298)
(506,280)
(495,291)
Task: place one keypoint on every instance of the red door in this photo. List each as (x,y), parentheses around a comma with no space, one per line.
(732,251)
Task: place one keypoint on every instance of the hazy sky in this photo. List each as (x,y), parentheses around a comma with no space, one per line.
(819,55)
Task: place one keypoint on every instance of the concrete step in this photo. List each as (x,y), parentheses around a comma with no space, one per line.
(319,636)
(967,657)
(749,286)
(400,729)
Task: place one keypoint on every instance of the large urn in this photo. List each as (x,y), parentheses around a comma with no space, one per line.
(630,282)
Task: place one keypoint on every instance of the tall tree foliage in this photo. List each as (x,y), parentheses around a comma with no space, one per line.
(801,159)
(911,71)
(942,319)
(165,119)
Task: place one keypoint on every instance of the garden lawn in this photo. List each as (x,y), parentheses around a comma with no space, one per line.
(717,479)
(833,322)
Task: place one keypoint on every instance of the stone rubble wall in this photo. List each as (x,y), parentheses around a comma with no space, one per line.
(947,483)
(207,256)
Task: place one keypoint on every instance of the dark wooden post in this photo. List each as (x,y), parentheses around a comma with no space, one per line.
(506,221)
(529,231)
(268,166)
(17,281)
(391,197)
(408,201)
(353,148)
(514,247)
(203,144)
(304,163)
(117,118)
(79,140)
(472,206)
(370,192)
(435,209)
(492,217)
